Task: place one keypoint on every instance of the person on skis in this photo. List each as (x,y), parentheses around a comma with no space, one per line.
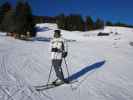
(58,52)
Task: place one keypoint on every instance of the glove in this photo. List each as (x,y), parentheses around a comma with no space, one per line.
(64,54)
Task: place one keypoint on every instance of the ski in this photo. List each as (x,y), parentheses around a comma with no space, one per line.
(51,85)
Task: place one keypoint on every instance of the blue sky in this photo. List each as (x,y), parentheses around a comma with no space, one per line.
(114,10)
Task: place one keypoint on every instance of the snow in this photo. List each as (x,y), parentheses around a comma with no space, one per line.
(24,64)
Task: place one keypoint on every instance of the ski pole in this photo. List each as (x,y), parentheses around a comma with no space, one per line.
(49,74)
(67,69)
(68,73)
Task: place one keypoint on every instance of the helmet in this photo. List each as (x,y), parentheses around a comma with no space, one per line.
(57,33)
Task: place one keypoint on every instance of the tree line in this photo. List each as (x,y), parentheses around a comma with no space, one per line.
(17,21)
(109,23)
(75,22)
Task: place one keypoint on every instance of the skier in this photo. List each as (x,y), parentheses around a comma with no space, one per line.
(58,52)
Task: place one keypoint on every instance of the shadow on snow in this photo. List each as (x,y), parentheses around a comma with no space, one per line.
(43,39)
(86,70)
(42,29)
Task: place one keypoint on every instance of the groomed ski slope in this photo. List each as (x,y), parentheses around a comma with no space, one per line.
(102,65)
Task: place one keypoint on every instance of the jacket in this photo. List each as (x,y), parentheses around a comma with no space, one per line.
(57,47)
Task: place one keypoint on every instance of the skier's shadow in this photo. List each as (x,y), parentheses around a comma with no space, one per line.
(86,70)
(42,29)
(43,39)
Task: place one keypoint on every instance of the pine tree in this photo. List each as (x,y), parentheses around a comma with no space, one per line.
(3,10)
(61,21)
(68,23)
(75,22)
(8,22)
(109,23)
(99,24)
(1,17)
(30,20)
(80,23)
(24,19)
(89,23)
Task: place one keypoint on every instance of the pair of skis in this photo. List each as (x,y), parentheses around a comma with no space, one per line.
(51,85)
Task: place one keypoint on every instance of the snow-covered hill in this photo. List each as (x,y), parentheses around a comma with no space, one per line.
(103,66)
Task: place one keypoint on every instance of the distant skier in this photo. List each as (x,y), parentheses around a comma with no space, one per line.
(58,52)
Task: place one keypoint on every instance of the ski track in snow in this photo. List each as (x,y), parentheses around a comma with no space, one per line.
(24,64)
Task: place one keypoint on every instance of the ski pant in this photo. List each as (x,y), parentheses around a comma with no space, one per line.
(58,70)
